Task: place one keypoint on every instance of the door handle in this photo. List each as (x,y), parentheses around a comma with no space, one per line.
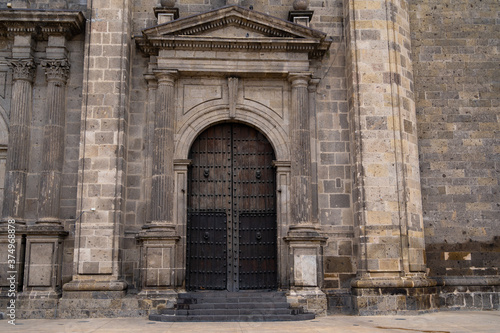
(258,236)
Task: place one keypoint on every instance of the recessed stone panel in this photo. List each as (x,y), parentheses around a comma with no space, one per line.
(266,95)
(305,267)
(40,264)
(196,94)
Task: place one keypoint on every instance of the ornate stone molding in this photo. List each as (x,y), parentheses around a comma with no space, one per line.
(56,70)
(24,69)
(42,23)
(265,34)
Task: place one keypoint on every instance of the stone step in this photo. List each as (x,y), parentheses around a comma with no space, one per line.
(232,306)
(230,300)
(247,305)
(213,312)
(215,318)
(228,294)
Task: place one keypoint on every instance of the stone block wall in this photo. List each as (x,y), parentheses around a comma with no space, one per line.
(456,62)
(332,155)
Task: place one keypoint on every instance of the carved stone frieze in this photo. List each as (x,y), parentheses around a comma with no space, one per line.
(41,23)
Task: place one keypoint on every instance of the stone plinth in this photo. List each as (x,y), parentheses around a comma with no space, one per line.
(394,296)
(305,258)
(158,262)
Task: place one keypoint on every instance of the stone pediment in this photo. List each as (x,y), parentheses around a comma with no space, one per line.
(233,28)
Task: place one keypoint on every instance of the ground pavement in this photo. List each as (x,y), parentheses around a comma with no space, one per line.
(439,322)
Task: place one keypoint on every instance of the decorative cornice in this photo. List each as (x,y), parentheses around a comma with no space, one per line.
(274,35)
(23,69)
(56,69)
(152,45)
(42,23)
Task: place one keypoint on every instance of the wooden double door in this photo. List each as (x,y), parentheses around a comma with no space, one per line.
(231,228)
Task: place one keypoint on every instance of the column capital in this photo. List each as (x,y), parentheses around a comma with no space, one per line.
(24,69)
(313,85)
(299,79)
(151,80)
(166,76)
(56,69)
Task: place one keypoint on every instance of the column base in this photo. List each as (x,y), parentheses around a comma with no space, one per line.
(390,296)
(312,299)
(98,299)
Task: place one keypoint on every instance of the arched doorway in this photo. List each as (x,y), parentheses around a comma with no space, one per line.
(231,227)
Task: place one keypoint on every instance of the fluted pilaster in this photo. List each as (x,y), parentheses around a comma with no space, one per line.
(56,72)
(300,135)
(19,138)
(162,180)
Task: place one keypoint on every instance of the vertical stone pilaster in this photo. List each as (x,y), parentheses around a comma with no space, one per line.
(312,89)
(386,191)
(162,186)
(57,72)
(102,161)
(148,161)
(160,255)
(19,129)
(305,252)
(300,150)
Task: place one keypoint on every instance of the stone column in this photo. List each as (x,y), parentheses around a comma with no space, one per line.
(300,151)
(304,241)
(44,241)
(386,193)
(149,132)
(57,72)
(19,137)
(162,182)
(160,235)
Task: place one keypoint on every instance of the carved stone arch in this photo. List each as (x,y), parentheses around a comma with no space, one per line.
(268,126)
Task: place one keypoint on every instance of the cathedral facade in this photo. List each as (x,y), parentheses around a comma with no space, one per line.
(345,152)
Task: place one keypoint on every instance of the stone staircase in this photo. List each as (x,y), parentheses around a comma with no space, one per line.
(231,306)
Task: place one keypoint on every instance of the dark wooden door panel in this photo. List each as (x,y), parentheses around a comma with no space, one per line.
(257,251)
(231,180)
(206,251)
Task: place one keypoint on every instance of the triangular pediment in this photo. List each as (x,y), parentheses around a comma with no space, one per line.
(229,26)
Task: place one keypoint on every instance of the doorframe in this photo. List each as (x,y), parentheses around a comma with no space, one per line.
(283,167)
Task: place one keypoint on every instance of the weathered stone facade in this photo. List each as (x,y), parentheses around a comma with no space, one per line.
(383,116)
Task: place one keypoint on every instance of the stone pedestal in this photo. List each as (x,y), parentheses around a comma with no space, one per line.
(158,262)
(306,268)
(164,14)
(302,17)
(42,271)
(409,295)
